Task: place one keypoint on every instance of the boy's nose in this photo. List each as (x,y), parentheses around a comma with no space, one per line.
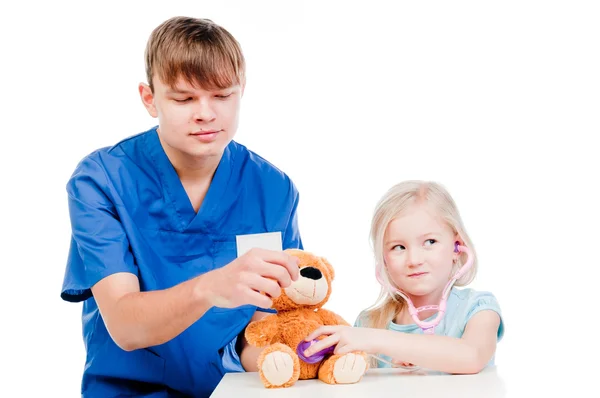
(203,112)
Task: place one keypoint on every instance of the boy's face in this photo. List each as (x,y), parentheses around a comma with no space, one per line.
(193,123)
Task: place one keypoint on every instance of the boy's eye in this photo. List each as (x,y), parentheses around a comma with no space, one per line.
(223,96)
(430,242)
(183,100)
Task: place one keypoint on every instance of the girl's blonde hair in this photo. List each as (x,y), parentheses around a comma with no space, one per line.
(393,204)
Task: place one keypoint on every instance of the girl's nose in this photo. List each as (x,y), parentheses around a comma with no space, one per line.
(415,257)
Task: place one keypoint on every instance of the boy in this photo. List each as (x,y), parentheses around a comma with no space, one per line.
(154,225)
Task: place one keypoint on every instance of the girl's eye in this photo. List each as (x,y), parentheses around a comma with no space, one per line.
(429,242)
(398,247)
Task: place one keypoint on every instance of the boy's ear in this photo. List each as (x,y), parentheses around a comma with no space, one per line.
(147,97)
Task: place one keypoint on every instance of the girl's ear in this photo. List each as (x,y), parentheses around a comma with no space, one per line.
(457,242)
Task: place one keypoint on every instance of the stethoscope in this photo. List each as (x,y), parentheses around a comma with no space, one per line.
(428,327)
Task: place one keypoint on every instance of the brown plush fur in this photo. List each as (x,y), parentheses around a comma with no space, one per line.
(292,323)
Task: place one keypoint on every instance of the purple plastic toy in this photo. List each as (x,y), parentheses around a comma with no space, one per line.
(317,356)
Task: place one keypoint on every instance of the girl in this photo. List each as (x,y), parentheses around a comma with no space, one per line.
(423,250)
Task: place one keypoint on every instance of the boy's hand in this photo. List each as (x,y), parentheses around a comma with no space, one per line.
(241,281)
(346,338)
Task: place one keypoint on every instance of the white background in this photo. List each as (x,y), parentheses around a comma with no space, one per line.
(499,101)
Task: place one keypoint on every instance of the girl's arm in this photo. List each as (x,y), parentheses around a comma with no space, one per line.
(469,354)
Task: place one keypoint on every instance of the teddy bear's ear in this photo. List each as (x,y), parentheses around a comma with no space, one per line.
(328,266)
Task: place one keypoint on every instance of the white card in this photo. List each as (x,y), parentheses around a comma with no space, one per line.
(268,241)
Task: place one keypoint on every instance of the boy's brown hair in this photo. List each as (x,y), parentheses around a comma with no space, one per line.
(197,50)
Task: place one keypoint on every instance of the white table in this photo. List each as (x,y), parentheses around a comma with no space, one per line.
(380,383)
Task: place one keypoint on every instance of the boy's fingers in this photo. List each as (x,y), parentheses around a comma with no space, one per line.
(290,263)
(259,300)
(276,272)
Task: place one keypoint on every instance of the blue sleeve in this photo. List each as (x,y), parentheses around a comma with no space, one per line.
(291,236)
(230,359)
(99,246)
(480,301)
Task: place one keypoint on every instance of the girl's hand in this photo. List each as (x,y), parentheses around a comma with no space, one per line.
(346,338)
(403,364)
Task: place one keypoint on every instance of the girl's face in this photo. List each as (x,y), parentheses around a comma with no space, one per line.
(419,252)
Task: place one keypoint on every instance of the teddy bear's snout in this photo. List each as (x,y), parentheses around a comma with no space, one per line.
(311,273)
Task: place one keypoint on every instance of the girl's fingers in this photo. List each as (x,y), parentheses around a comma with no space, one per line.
(320,331)
(322,344)
(402,363)
(342,349)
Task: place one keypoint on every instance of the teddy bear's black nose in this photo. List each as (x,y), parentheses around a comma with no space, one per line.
(311,273)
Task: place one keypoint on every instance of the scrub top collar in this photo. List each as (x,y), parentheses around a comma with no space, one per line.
(186,218)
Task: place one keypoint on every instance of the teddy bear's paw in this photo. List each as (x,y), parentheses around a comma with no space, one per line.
(278,368)
(349,368)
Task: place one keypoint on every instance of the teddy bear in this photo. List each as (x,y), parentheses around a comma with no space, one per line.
(299,313)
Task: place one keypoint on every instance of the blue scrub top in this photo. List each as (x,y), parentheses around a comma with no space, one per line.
(130,213)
